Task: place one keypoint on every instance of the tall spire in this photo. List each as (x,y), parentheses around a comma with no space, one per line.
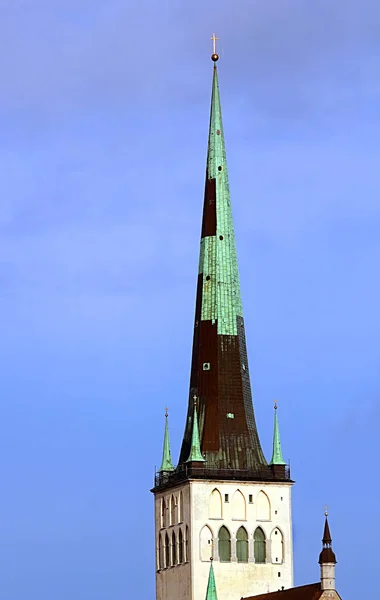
(277,458)
(166,464)
(211,587)
(195,450)
(219,370)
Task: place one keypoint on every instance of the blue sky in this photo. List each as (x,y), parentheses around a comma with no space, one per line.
(103,119)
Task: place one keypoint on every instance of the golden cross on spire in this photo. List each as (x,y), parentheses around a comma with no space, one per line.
(214,56)
(326,511)
(195,399)
(166,411)
(275,404)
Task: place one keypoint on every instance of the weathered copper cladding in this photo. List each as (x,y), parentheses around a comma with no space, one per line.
(219,370)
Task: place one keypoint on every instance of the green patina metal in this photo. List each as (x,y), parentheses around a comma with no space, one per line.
(277,458)
(221,299)
(195,451)
(166,464)
(211,587)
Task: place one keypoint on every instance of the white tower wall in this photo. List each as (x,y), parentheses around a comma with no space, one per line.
(201,508)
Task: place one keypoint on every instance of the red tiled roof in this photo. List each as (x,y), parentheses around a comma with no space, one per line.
(304,592)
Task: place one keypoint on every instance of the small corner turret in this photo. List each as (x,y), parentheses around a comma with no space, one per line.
(277,461)
(166,464)
(195,455)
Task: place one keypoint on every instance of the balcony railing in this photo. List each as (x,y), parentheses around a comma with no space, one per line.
(189,471)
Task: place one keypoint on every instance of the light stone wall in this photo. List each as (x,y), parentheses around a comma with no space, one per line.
(233,579)
(328,576)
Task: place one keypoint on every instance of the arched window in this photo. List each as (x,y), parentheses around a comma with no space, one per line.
(242,545)
(215,505)
(262,507)
(174,549)
(160,553)
(180,547)
(238,506)
(172,511)
(224,545)
(187,544)
(167,551)
(277,546)
(180,507)
(206,544)
(162,512)
(259,545)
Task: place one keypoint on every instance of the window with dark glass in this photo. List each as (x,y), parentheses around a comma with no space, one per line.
(224,545)
(242,545)
(259,545)
(180,547)
(167,551)
(174,549)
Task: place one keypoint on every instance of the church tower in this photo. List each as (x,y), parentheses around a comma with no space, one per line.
(223,501)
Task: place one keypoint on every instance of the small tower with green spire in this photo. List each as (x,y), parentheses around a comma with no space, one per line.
(277,461)
(166,464)
(211,587)
(195,455)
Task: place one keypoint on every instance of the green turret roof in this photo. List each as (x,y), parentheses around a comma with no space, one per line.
(211,587)
(195,450)
(166,464)
(277,458)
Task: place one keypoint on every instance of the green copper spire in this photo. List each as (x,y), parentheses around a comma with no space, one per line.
(221,299)
(195,450)
(166,464)
(211,587)
(220,374)
(277,458)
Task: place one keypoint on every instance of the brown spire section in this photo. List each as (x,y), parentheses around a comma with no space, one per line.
(327,556)
(326,534)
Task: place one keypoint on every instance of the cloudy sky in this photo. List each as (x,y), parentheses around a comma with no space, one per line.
(103,130)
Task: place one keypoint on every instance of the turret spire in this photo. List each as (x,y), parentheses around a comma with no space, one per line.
(195,451)
(327,559)
(166,464)
(211,587)
(219,372)
(277,458)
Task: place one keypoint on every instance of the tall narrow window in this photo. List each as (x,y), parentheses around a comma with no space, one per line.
(187,544)
(180,547)
(160,553)
(224,545)
(174,549)
(172,511)
(167,551)
(242,545)
(259,545)
(180,507)
(162,512)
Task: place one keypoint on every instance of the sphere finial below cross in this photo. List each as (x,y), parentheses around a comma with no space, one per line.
(214,56)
